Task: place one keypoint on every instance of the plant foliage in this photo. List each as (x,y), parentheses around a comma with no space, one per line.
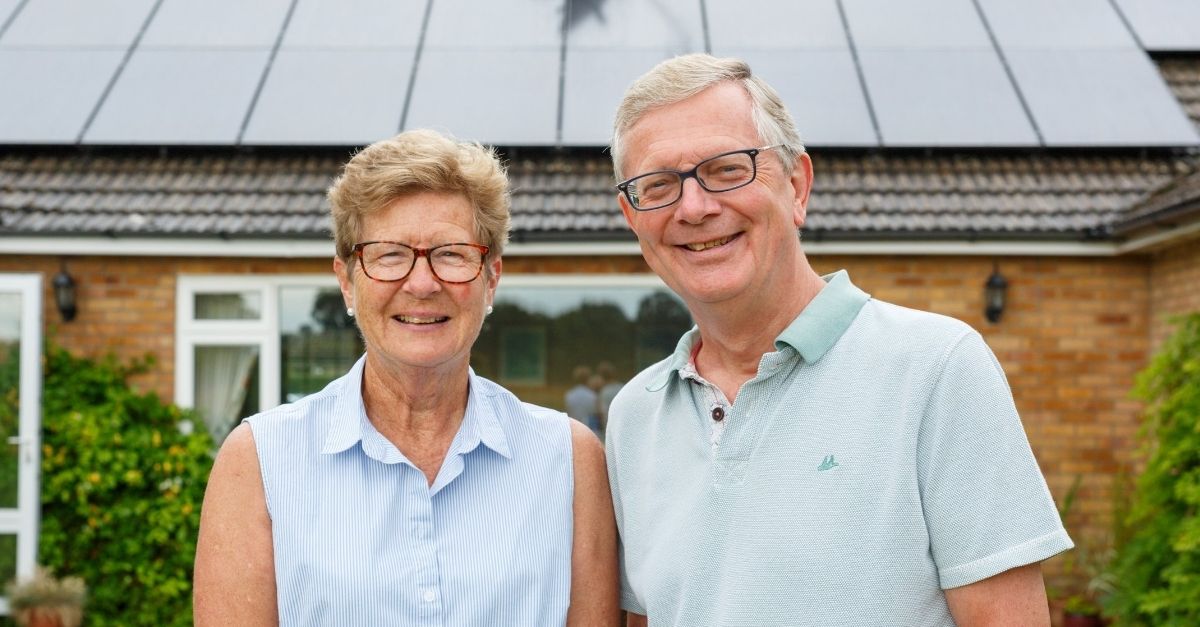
(1158,567)
(121,491)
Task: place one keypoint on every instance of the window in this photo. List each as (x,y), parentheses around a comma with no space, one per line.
(247,343)
(570,341)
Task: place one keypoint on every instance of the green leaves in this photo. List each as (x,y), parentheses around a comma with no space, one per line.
(1159,566)
(121,491)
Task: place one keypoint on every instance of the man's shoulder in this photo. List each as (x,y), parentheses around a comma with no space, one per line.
(905,326)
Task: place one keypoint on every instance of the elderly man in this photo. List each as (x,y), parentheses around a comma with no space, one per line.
(808,455)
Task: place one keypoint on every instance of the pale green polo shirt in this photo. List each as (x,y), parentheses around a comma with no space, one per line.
(875,459)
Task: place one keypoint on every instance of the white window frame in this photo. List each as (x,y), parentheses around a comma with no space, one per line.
(263,333)
(25,519)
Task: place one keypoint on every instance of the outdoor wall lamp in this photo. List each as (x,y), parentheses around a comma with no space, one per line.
(64,294)
(994,295)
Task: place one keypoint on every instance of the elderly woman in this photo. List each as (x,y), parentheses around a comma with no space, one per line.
(410,491)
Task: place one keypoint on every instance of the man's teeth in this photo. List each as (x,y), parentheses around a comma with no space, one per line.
(415,320)
(706,245)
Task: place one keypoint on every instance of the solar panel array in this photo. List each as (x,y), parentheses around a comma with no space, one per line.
(919,73)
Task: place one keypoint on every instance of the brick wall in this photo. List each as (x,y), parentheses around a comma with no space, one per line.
(1174,287)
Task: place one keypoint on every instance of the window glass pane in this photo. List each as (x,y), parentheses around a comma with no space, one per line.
(10,398)
(545,343)
(226,380)
(318,341)
(229,306)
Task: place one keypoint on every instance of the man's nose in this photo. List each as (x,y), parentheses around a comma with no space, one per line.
(695,203)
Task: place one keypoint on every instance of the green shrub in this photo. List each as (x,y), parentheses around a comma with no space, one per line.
(1158,568)
(121,491)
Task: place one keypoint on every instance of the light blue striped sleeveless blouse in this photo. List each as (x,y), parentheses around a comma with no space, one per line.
(361,538)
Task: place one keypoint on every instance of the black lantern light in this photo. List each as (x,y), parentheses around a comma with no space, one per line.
(994,295)
(64,295)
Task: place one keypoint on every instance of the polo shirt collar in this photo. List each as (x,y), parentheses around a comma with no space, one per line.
(818,327)
(823,321)
(350,424)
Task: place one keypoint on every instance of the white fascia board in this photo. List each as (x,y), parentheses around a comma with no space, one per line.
(1150,243)
(313,249)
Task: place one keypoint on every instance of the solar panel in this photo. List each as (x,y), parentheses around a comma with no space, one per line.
(609,45)
(73,24)
(933,75)
(492,71)
(49,93)
(507,98)
(800,48)
(758,24)
(216,23)
(915,24)
(189,96)
(1070,24)
(331,96)
(354,24)
(489,72)
(932,98)
(1164,25)
(820,89)
(1100,98)
(594,84)
(6,9)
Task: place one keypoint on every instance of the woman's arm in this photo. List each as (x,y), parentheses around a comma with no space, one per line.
(235,570)
(594,584)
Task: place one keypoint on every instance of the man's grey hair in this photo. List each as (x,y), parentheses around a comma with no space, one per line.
(682,77)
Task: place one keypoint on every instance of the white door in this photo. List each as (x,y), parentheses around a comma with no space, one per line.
(20,424)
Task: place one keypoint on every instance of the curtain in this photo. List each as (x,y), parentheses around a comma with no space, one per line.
(223,375)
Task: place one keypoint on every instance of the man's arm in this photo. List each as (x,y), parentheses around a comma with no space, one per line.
(235,568)
(635,620)
(1015,597)
(594,578)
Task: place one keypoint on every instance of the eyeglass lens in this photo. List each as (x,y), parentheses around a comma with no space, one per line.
(719,174)
(452,263)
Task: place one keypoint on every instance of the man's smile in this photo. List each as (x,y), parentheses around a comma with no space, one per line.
(721,241)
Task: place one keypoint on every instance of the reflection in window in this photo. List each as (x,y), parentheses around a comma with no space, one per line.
(544,342)
(229,306)
(318,340)
(226,386)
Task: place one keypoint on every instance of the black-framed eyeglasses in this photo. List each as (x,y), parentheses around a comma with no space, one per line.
(722,173)
(393,261)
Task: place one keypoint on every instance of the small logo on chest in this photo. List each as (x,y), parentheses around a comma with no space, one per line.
(827,464)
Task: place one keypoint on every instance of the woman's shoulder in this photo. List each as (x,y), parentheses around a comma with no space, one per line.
(522,415)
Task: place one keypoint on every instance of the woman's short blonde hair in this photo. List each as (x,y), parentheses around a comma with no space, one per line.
(682,77)
(414,162)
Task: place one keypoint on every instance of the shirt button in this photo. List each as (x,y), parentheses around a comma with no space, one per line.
(718,414)
(429,596)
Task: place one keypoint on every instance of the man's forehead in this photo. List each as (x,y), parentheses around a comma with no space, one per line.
(723,110)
